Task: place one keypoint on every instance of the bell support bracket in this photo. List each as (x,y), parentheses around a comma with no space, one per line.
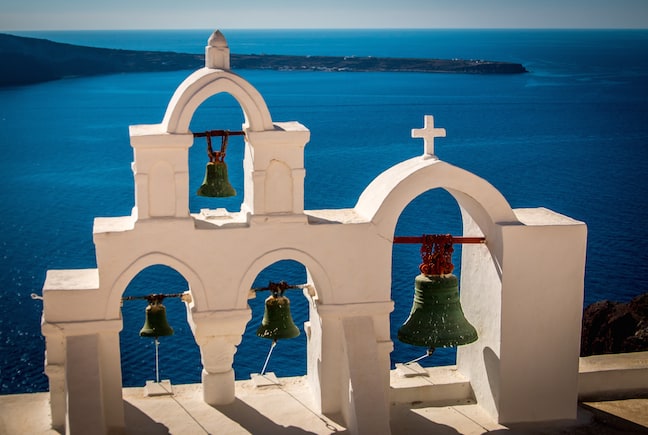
(218,156)
(216,183)
(159,297)
(436,250)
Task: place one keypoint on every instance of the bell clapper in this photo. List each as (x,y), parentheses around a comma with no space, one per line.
(264,379)
(265,365)
(413,368)
(429,352)
(157,361)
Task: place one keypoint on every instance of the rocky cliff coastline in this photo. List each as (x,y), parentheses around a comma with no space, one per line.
(31,60)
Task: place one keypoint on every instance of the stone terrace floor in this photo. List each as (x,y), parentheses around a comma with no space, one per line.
(287,409)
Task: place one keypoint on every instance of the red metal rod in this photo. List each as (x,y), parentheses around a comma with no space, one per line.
(219,133)
(455,239)
(153,296)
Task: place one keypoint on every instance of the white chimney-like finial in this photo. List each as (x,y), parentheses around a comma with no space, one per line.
(217,53)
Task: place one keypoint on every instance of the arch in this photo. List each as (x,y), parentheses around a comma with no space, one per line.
(206,82)
(137,365)
(383,201)
(196,286)
(314,270)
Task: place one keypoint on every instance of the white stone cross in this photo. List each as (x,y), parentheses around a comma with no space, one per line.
(428,133)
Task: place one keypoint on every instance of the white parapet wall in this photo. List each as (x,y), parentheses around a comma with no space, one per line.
(614,376)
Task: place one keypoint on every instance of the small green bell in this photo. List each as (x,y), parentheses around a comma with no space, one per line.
(436,318)
(277,321)
(156,324)
(216,183)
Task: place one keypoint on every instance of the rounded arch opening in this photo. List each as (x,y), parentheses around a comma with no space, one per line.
(206,82)
(219,112)
(179,355)
(120,284)
(289,355)
(388,194)
(436,211)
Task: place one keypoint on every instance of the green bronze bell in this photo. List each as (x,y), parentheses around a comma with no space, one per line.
(155,324)
(216,183)
(436,318)
(277,321)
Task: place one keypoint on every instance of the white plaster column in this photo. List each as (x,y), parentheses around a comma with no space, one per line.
(55,370)
(217,334)
(111,377)
(77,334)
(348,362)
(85,412)
(542,305)
(92,374)
(524,367)
(480,291)
(367,410)
(322,370)
(274,171)
(161,171)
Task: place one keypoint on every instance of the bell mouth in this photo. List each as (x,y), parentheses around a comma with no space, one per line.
(216,182)
(436,318)
(277,320)
(156,324)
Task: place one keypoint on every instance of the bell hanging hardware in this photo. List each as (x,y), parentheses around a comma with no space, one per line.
(436,318)
(216,183)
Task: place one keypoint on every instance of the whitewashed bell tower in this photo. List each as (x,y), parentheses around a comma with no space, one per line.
(531,258)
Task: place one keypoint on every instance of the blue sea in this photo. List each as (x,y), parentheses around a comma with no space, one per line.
(570,135)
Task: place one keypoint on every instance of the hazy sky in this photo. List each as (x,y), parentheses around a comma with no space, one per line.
(239,14)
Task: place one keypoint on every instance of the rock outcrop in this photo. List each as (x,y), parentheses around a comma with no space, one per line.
(614,327)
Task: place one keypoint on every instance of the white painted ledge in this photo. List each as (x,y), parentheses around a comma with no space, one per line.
(620,375)
(442,386)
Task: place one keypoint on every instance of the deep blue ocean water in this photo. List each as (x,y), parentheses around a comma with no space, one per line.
(571,135)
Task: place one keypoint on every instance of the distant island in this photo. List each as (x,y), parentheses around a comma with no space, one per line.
(33,60)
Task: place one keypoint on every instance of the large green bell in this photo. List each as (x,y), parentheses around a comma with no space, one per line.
(436,318)
(216,183)
(277,321)
(156,324)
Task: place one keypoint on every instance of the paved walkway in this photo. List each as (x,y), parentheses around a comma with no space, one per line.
(287,409)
